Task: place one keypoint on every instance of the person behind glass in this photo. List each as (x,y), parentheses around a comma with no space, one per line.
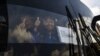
(28,25)
(20,34)
(35,30)
(50,33)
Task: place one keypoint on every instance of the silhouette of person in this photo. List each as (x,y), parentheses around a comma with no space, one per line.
(50,33)
(36,30)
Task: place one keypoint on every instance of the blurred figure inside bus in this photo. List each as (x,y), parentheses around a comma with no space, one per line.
(21,33)
(36,30)
(50,32)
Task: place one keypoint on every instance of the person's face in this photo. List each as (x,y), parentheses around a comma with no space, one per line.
(49,23)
